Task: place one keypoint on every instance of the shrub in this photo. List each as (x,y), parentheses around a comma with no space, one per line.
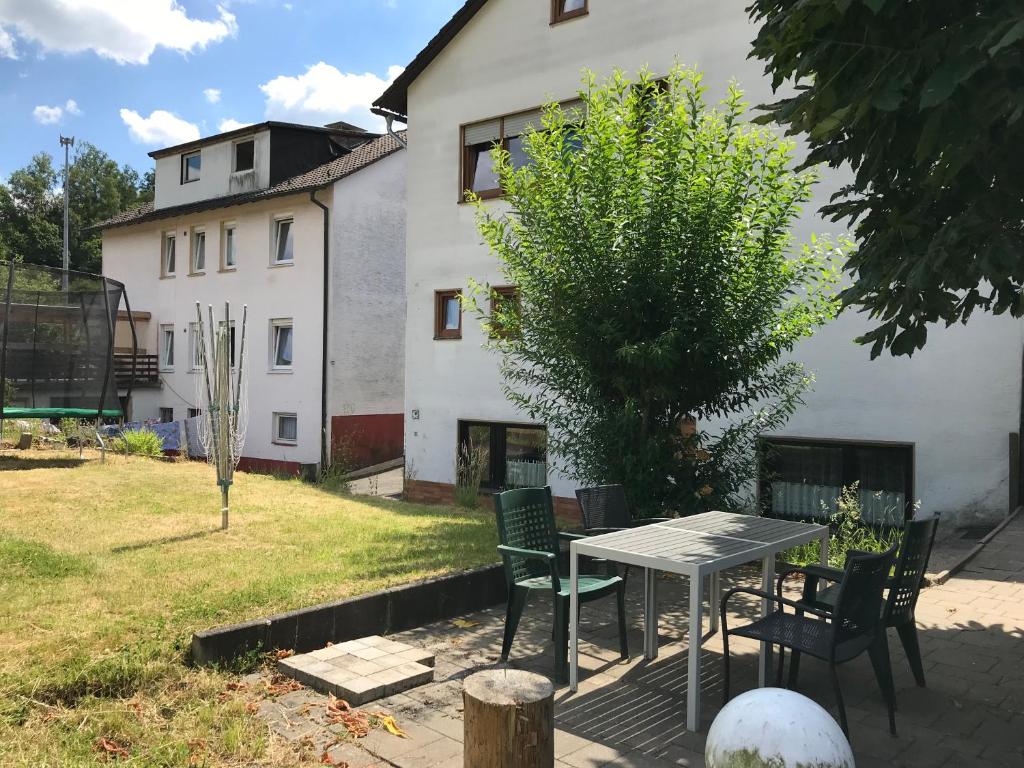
(140,442)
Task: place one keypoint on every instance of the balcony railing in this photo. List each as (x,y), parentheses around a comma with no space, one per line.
(147,371)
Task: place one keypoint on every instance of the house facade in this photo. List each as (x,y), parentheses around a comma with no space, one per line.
(935,429)
(304,226)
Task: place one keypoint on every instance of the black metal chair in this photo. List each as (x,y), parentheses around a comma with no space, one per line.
(853,626)
(529,547)
(904,588)
(604,509)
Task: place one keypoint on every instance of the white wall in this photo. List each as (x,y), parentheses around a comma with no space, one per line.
(956,401)
(132,255)
(368,291)
(216,178)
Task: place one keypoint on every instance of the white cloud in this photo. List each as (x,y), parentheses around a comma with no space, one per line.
(230,124)
(325,94)
(161,128)
(49,115)
(127,31)
(7,50)
(212,95)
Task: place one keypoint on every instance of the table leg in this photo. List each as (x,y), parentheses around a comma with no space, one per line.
(767,584)
(693,668)
(715,591)
(574,602)
(650,614)
(824,546)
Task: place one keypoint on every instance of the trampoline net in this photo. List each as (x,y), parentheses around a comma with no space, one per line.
(57,343)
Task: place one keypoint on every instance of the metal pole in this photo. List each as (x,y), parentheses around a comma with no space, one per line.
(67,143)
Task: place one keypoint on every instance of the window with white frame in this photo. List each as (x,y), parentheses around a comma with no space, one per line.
(194,357)
(281,338)
(229,255)
(167,257)
(286,428)
(167,347)
(283,241)
(198,264)
(191,167)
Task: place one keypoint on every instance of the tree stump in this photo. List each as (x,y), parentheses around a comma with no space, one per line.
(509,720)
(25,441)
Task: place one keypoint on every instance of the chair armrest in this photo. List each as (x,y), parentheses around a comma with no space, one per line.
(812,574)
(775,599)
(535,554)
(569,536)
(649,521)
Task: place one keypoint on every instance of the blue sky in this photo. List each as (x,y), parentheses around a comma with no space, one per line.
(133,75)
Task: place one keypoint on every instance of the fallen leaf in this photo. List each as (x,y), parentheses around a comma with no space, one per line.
(279,685)
(392,727)
(110,749)
(326,759)
(465,623)
(284,653)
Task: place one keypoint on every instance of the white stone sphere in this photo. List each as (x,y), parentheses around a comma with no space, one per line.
(776,728)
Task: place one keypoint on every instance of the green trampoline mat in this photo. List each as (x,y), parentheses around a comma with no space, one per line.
(58,413)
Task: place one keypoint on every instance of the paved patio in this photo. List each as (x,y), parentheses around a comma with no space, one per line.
(633,713)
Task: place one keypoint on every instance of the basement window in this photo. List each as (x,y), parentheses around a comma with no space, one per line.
(512,455)
(286,428)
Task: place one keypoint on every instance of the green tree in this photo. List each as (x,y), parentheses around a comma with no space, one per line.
(658,283)
(925,102)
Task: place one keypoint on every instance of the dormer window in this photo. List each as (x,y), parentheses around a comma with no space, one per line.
(563,10)
(245,155)
(191,167)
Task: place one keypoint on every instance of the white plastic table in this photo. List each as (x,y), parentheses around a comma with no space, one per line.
(695,547)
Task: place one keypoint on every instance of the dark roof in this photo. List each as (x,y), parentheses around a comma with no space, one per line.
(318,178)
(395,98)
(337,129)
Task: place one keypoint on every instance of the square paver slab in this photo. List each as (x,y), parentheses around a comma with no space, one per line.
(360,671)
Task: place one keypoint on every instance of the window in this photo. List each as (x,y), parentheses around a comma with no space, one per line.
(513,456)
(283,245)
(194,352)
(281,336)
(803,479)
(194,413)
(168,257)
(229,257)
(504,301)
(286,428)
(198,264)
(563,10)
(166,415)
(447,314)
(478,139)
(231,340)
(167,347)
(245,155)
(191,167)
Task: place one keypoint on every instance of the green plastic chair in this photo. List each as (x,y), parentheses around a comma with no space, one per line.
(530,551)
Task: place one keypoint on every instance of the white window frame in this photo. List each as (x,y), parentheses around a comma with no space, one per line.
(165,239)
(225,227)
(197,234)
(184,166)
(275,233)
(276,438)
(275,324)
(193,348)
(165,330)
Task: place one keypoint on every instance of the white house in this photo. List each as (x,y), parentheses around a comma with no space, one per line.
(935,428)
(305,226)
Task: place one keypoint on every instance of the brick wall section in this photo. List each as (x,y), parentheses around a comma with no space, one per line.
(426,492)
(269,466)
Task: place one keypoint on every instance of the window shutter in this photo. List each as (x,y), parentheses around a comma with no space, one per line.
(486,132)
(517,125)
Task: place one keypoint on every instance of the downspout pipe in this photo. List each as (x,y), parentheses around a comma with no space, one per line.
(324,350)
(389,119)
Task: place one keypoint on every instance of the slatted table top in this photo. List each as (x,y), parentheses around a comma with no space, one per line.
(699,544)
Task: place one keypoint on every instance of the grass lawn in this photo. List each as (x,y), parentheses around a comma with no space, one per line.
(106,570)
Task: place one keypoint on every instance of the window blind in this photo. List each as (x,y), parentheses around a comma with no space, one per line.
(486,132)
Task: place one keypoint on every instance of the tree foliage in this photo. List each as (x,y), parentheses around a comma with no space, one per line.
(657,284)
(32,207)
(925,102)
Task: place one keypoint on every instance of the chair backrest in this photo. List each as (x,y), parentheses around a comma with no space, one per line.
(911,565)
(858,610)
(526,519)
(604,506)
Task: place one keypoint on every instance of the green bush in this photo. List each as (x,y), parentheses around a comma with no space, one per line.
(140,443)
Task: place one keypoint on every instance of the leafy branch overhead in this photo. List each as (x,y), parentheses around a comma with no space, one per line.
(658,282)
(925,102)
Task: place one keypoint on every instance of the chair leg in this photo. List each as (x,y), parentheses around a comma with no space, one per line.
(561,640)
(514,611)
(879,653)
(620,600)
(839,699)
(794,669)
(725,665)
(908,636)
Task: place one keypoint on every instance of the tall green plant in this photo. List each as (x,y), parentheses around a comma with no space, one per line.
(658,283)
